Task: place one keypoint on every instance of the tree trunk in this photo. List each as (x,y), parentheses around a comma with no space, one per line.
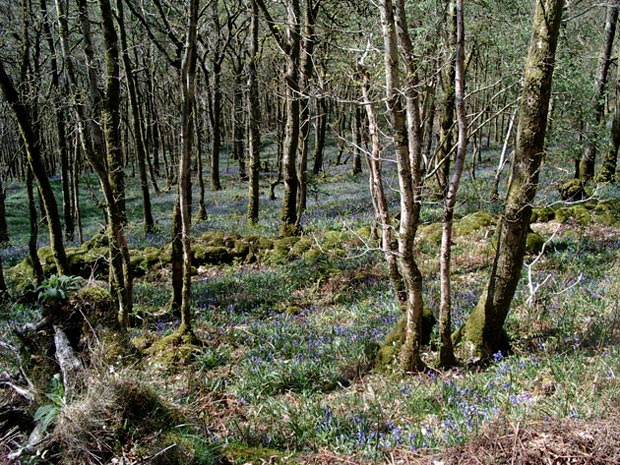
(607,172)
(147,214)
(291,45)
(216,95)
(34,230)
(188,72)
(122,282)
(4,228)
(483,332)
(357,142)
(407,139)
(446,350)
(33,153)
(63,148)
(253,120)
(588,160)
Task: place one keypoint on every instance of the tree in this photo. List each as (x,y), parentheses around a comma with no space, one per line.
(253,119)
(446,352)
(586,166)
(483,331)
(188,76)
(138,131)
(290,44)
(30,138)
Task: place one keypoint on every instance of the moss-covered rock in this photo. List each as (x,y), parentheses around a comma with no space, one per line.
(578,213)
(572,191)
(607,212)
(534,243)
(473,222)
(212,255)
(542,215)
(300,247)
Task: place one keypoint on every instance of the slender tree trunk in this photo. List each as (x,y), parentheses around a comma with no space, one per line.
(607,172)
(202,207)
(147,214)
(588,160)
(188,72)
(216,93)
(4,228)
(291,45)
(483,331)
(253,120)
(238,123)
(291,133)
(446,350)
(357,142)
(446,129)
(63,149)
(34,230)
(377,193)
(122,281)
(407,139)
(33,152)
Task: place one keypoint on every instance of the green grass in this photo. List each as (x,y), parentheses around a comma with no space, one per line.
(288,342)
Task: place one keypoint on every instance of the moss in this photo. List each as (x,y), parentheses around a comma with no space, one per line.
(474,222)
(542,215)
(176,348)
(470,336)
(430,233)
(578,213)
(606,212)
(212,255)
(293,310)
(98,241)
(534,243)
(301,246)
(572,190)
(239,454)
(46,257)
(394,340)
(312,255)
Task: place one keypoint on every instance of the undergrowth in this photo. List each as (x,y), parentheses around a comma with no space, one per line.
(285,368)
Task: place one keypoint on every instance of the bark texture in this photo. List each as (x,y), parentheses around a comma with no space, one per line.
(483,332)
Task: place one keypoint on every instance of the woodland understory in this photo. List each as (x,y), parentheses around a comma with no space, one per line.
(309,232)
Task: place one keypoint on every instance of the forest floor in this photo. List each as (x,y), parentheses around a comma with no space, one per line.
(284,372)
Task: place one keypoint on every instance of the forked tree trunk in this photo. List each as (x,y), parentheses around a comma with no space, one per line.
(483,332)
(406,127)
